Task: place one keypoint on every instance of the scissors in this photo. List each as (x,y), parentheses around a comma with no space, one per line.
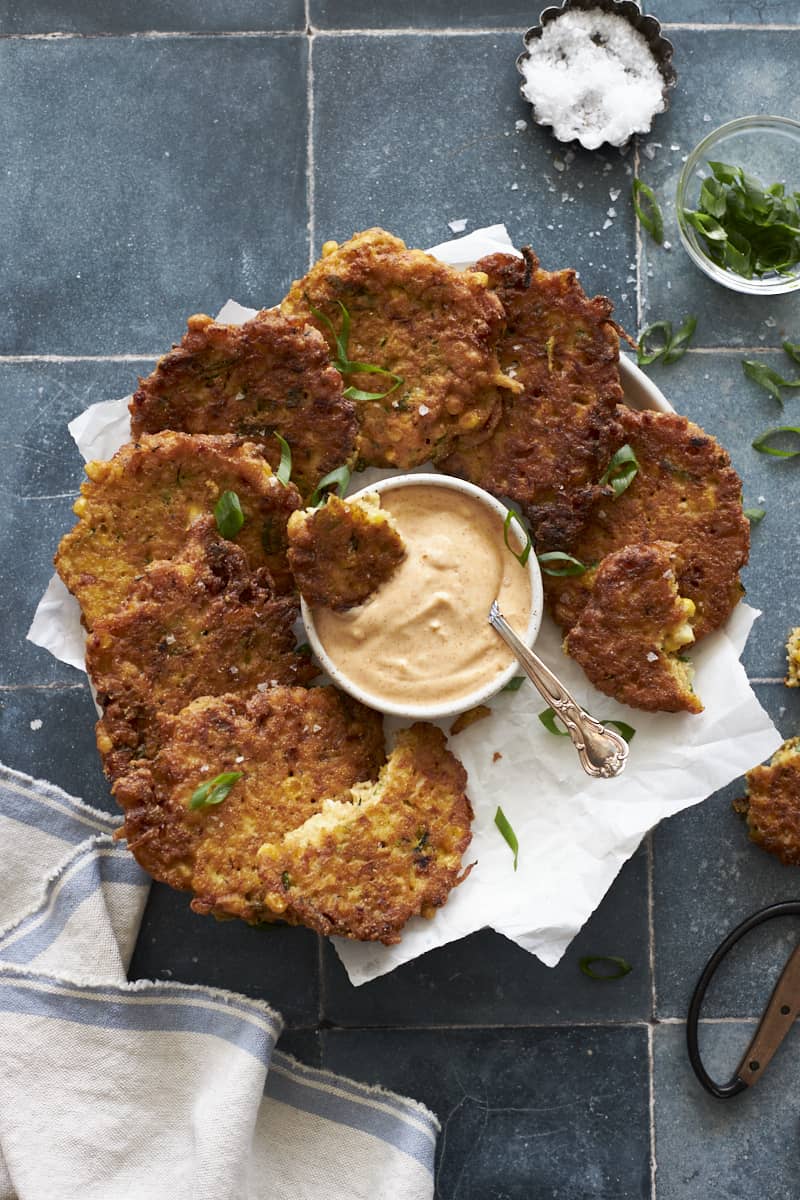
(777,1019)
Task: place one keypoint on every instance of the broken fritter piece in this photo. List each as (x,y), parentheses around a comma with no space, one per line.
(430,326)
(340,553)
(631,633)
(273,374)
(386,851)
(284,751)
(793,659)
(685,491)
(200,625)
(137,508)
(772,803)
(555,436)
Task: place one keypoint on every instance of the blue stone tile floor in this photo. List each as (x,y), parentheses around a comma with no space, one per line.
(159,158)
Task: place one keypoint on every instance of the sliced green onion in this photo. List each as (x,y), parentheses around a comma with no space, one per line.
(770,380)
(214,790)
(680,341)
(343,363)
(304,648)
(284,472)
(793,350)
(522,555)
(754,515)
(340,340)
(228,515)
(658,343)
(548,719)
(514,684)
(571,566)
(621,471)
(501,821)
(286,880)
(622,727)
(652,219)
(339,478)
(760,444)
(621,967)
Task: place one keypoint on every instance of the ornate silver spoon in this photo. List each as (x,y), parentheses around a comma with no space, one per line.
(603,753)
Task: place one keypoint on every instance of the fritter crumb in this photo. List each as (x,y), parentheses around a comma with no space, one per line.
(772,803)
(342,552)
(385,852)
(793,659)
(465,719)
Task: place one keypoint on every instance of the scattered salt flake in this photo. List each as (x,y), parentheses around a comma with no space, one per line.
(204,769)
(770,322)
(606,168)
(458,225)
(652,656)
(762,337)
(423,410)
(261,687)
(684,157)
(631,279)
(591,234)
(551,227)
(607,223)
(520,125)
(614,193)
(580,186)
(612,212)
(624,297)
(169,639)
(515,187)
(649,151)
(316,728)
(674,146)
(564,197)
(761,499)
(569,157)
(239,758)
(559,165)
(667,245)
(36,723)
(233,670)
(707,117)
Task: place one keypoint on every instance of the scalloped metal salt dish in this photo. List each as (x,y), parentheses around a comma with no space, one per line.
(647,25)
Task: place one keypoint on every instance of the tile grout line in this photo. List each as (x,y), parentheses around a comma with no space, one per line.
(651,1105)
(310,182)
(146,35)
(639,247)
(16,359)
(651,946)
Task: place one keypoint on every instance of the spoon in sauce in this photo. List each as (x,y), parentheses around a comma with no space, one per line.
(602,752)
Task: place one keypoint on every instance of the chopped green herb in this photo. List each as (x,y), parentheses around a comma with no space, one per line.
(754,515)
(343,363)
(621,471)
(761,442)
(619,965)
(746,228)
(571,566)
(770,380)
(284,471)
(627,731)
(304,648)
(514,684)
(286,880)
(214,790)
(501,821)
(228,515)
(657,343)
(548,719)
(338,478)
(793,350)
(652,218)
(522,555)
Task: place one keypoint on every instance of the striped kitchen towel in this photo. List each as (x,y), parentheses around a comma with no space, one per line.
(112,1090)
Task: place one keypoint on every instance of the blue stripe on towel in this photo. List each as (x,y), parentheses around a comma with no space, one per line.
(47,808)
(80,880)
(287,1086)
(147,1010)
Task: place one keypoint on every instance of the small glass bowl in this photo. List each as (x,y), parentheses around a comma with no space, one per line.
(766,147)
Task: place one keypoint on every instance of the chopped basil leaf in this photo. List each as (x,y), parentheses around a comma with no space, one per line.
(658,343)
(514,684)
(522,555)
(572,566)
(214,790)
(548,719)
(338,478)
(760,444)
(621,967)
(754,515)
(501,821)
(228,515)
(284,472)
(621,471)
(652,219)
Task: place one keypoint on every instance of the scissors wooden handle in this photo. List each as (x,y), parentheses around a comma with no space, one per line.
(775,1023)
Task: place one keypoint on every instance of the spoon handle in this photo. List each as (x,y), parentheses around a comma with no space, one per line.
(602,752)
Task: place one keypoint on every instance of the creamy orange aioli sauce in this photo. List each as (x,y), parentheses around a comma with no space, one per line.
(423,637)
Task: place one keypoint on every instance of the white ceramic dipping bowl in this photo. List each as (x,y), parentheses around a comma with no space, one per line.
(433,712)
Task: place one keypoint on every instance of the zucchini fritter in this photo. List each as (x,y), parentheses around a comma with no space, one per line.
(200,625)
(635,624)
(137,508)
(685,491)
(272,374)
(419,319)
(554,437)
(793,659)
(772,803)
(294,748)
(342,552)
(388,851)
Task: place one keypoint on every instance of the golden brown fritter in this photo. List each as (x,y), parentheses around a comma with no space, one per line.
(554,437)
(633,628)
(465,719)
(772,803)
(342,552)
(200,625)
(137,508)
(685,491)
(388,851)
(294,748)
(272,374)
(793,659)
(420,319)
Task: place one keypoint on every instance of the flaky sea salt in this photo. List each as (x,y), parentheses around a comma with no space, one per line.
(592,76)
(651,656)
(36,724)
(457,226)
